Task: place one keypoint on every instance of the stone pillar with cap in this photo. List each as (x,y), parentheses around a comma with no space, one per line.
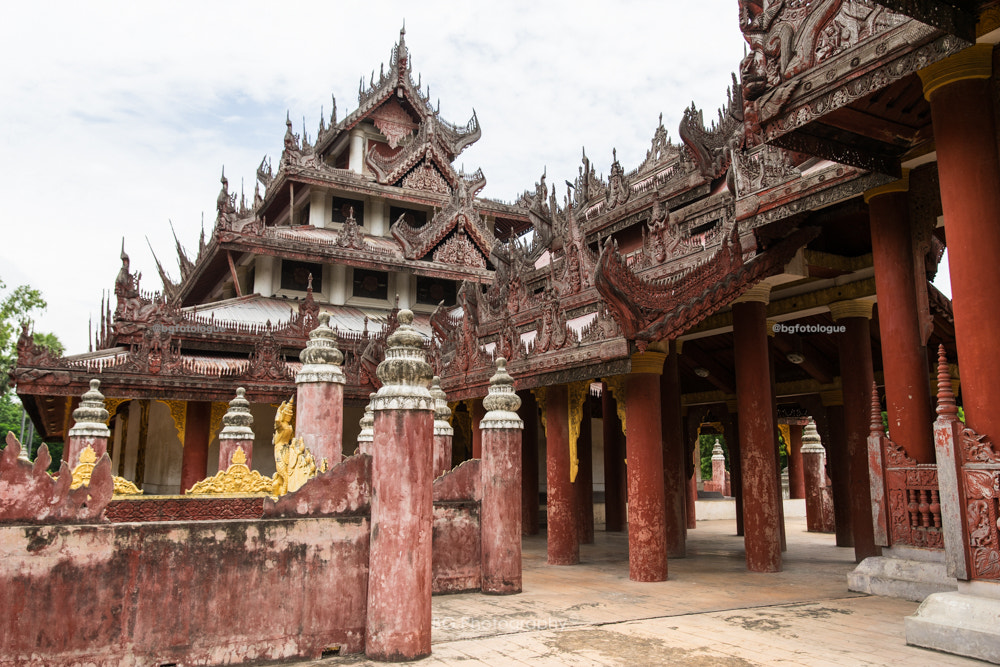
(236,432)
(718,468)
(367,424)
(814,475)
(501,476)
(443,432)
(399,565)
(319,395)
(90,429)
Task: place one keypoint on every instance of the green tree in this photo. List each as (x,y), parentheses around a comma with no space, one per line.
(16,309)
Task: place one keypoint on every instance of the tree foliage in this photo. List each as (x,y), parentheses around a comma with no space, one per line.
(17,309)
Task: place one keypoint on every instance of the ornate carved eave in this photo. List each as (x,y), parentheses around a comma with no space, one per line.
(807,61)
(459,213)
(711,147)
(652,311)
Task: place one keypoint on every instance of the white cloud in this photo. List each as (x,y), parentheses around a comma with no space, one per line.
(118,116)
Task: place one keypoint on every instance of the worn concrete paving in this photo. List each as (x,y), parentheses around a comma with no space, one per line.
(710,612)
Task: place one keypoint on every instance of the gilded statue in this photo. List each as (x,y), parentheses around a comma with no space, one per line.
(294,466)
(283,431)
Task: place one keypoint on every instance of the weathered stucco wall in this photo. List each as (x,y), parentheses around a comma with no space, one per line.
(195,593)
(457,557)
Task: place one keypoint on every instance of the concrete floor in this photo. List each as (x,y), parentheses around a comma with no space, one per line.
(710,612)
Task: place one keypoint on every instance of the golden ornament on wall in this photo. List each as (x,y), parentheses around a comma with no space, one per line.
(237,479)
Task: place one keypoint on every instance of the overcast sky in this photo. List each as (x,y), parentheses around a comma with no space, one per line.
(116,118)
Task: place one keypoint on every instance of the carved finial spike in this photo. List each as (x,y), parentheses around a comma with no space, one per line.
(876,413)
(946,407)
(309,284)
(405,316)
(241,392)
(324,319)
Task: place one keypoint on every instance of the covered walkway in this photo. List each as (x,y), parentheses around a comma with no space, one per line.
(711,611)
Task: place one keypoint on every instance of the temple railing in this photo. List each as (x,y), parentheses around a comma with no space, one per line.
(906,499)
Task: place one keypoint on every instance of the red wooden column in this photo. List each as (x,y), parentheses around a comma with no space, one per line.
(675,487)
(855,349)
(562,543)
(692,463)
(399,583)
(796,476)
(735,462)
(529,463)
(89,428)
(614,464)
(501,476)
(194,464)
(904,361)
(836,453)
(319,398)
(647,543)
(585,475)
(236,432)
(443,432)
(761,492)
(962,107)
(477,413)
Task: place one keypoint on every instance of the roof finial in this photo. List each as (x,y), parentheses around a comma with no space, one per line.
(876,414)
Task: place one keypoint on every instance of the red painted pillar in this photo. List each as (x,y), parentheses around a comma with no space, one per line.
(320,395)
(692,464)
(236,432)
(839,468)
(675,487)
(89,429)
(762,495)
(796,476)
(735,462)
(647,543)
(194,464)
(529,463)
(814,478)
(904,361)
(477,434)
(443,432)
(367,423)
(585,476)
(501,475)
(399,582)
(614,464)
(562,542)
(962,109)
(857,377)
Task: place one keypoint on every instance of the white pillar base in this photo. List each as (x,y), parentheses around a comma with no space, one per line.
(907,573)
(965,622)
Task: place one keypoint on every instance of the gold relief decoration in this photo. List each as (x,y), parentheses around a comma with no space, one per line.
(283,430)
(111,405)
(786,433)
(616,385)
(215,419)
(178,412)
(123,487)
(294,466)
(539,393)
(237,478)
(577,399)
(82,473)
